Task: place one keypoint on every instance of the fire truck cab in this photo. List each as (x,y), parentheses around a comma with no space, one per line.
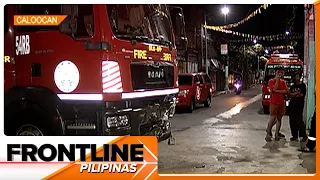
(291,64)
(105,70)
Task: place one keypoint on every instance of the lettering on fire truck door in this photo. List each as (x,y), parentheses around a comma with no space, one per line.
(22,45)
(22,50)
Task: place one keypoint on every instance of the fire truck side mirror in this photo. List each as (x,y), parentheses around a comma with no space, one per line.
(68,26)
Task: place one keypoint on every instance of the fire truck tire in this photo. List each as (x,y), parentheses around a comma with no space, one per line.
(31,120)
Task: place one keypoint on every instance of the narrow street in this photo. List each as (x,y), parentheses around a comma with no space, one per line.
(224,139)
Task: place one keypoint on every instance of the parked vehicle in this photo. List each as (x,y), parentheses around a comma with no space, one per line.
(290,62)
(194,88)
(100,72)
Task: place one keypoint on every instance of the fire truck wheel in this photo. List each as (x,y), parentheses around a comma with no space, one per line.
(29,130)
(30,122)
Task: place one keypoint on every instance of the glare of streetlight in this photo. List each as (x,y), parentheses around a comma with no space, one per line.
(255,41)
(287,32)
(225,10)
(266,51)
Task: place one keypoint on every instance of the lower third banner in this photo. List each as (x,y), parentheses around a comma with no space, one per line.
(128,157)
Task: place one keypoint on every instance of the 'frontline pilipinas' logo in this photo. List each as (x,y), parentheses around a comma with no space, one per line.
(131,156)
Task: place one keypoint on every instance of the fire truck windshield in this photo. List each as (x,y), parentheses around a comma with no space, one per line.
(146,23)
(289,70)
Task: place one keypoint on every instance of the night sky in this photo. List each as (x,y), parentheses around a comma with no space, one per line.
(271,21)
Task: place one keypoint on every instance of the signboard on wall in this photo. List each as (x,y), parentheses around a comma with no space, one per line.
(224,49)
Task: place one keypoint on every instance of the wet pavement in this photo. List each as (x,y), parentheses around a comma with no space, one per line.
(229,137)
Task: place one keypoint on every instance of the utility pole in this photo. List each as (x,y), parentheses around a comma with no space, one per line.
(206,44)
(244,77)
(258,71)
(227,61)
(242,62)
(202,58)
(258,64)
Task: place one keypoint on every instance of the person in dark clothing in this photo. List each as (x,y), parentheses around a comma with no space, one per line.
(297,94)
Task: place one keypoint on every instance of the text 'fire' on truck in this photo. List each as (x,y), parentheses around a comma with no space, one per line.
(291,64)
(105,70)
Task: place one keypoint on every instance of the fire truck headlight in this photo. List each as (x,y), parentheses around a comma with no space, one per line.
(267,96)
(66,76)
(117,121)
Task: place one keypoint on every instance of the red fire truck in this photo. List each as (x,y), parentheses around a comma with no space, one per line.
(105,70)
(290,62)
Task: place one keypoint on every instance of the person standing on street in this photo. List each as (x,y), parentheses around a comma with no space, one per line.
(278,90)
(297,95)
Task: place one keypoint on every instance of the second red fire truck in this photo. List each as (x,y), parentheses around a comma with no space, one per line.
(106,70)
(291,64)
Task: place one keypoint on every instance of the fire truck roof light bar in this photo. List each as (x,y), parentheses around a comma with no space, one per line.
(88,97)
(132,95)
